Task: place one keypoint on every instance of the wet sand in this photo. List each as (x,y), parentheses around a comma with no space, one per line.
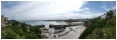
(71,35)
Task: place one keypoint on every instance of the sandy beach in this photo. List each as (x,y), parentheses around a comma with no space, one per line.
(77,30)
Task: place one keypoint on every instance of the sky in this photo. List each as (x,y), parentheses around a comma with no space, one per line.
(55,10)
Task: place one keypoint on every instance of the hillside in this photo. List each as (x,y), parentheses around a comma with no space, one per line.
(21,31)
(101,28)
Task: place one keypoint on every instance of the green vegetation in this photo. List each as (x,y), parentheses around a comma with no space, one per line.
(101,28)
(19,32)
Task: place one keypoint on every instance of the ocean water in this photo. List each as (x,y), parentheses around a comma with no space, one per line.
(46,23)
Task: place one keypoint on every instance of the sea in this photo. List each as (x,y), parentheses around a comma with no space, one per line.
(46,23)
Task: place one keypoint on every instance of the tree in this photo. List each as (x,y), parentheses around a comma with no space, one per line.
(110,14)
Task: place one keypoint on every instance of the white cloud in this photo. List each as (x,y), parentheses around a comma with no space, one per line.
(105,7)
(110,3)
(42,10)
(86,9)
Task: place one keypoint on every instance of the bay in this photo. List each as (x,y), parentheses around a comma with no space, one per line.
(46,23)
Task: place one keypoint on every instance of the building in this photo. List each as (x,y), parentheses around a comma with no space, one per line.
(44,30)
(24,25)
(4,21)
